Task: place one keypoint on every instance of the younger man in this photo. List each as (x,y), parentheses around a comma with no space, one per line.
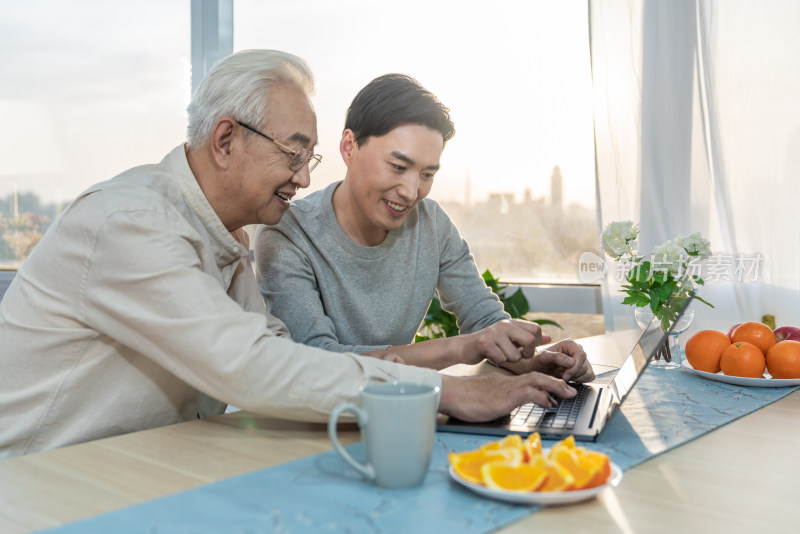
(353,268)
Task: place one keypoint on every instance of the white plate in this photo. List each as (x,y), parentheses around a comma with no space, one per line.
(544,498)
(766,382)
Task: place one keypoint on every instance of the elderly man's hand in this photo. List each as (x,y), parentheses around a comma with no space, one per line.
(487,397)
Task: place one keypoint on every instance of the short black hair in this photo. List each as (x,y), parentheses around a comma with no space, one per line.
(393,100)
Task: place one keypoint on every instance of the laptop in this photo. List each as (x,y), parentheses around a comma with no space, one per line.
(587,413)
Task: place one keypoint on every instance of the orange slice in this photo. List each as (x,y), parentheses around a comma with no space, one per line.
(511,441)
(523,477)
(599,464)
(532,447)
(558,478)
(506,455)
(468,464)
(568,442)
(581,473)
(589,469)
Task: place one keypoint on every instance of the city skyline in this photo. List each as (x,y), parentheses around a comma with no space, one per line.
(555,186)
(537,241)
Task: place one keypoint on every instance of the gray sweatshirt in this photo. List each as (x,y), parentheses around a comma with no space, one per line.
(335,294)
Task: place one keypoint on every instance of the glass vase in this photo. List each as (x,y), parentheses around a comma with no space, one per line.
(644,316)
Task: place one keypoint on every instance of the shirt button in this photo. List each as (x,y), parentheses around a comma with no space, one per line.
(236,250)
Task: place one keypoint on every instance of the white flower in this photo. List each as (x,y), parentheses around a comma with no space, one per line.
(695,245)
(669,257)
(617,238)
(668,281)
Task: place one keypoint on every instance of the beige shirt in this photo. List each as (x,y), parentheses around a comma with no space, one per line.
(138,299)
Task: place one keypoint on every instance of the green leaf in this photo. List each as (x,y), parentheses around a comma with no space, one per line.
(516,305)
(547,321)
(638,293)
(641,272)
(655,302)
(665,292)
(492,282)
(435,308)
(437,323)
(631,301)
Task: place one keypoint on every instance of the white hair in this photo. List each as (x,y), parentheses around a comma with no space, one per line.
(239,87)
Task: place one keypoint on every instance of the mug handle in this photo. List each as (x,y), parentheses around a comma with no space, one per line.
(361,416)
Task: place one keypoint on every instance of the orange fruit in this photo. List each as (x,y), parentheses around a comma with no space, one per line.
(743,359)
(507,455)
(783,359)
(513,441)
(703,350)
(532,447)
(558,477)
(581,473)
(595,462)
(588,468)
(499,464)
(755,333)
(523,477)
(601,466)
(468,464)
(569,441)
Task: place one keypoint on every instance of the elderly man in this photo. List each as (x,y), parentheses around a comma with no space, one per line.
(139,306)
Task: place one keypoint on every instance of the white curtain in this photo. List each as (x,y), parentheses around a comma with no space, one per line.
(697,129)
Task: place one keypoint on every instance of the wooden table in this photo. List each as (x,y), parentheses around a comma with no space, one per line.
(743,477)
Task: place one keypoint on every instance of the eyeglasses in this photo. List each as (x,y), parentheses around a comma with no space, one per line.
(296,159)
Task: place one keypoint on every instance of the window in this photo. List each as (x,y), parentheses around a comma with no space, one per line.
(93,88)
(518,177)
(89,89)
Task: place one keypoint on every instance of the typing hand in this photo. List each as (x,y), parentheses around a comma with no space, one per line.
(487,397)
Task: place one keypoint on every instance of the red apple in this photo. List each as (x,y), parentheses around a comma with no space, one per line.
(730,332)
(787,332)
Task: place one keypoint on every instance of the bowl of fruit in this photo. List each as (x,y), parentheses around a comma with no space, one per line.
(749,354)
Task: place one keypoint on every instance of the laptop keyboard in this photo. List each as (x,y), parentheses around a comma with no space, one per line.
(564,415)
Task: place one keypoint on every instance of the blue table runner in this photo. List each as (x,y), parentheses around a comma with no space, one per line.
(323,494)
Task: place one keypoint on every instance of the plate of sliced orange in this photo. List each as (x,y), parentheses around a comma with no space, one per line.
(522,472)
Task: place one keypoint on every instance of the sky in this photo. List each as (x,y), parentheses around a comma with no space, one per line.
(97,87)
(91,89)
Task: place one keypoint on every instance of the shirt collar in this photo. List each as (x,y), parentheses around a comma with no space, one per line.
(231,249)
